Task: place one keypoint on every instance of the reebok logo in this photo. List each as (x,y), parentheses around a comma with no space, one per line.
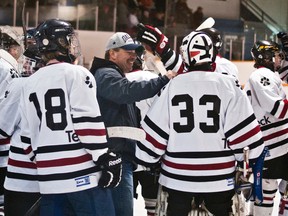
(115,162)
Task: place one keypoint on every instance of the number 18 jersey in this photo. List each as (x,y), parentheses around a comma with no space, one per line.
(61,127)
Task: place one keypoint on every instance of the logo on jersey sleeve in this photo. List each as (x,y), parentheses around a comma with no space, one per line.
(265,81)
(88,82)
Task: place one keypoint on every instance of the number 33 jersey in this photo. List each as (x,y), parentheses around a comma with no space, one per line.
(198,127)
(61,127)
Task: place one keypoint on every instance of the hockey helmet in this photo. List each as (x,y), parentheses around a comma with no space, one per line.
(264,52)
(196,48)
(57,35)
(10,41)
(215,36)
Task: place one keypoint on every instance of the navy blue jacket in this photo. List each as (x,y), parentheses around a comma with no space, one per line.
(117,96)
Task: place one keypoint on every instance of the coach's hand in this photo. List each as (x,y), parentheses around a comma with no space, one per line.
(153,37)
(111,166)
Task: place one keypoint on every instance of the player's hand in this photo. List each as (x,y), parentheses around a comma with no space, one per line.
(154,38)
(111,166)
(171,74)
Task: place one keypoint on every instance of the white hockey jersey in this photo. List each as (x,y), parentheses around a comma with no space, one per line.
(143,105)
(270,105)
(21,171)
(61,127)
(7,74)
(198,127)
(225,66)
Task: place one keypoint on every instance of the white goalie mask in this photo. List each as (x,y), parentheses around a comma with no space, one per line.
(197,47)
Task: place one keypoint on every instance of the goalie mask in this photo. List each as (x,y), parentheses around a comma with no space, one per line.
(197,48)
(264,53)
(58,36)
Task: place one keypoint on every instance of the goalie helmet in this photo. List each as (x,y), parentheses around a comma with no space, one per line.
(215,35)
(58,36)
(197,48)
(264,53)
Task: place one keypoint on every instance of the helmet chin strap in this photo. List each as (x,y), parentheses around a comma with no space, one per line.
(68,58)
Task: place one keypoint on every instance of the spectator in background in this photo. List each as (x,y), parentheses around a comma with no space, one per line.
(197,17)
(183,13)
(146,7)
(122,15)
(133,22)
(105,18)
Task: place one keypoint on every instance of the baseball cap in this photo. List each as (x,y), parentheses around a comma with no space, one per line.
(121,40)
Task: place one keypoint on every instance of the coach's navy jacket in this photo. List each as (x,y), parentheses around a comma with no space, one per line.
(117,96)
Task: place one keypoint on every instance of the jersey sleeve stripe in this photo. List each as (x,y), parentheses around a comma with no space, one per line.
(276,134)
(26,140)
(147,150)
(89,132)
(284,110)
(154,142)
(274,124)
(4,141)
(65,161)
(215,166)
(240,126)
(245,136)
(86,119)
(275,108)
(3,133)
(155,128)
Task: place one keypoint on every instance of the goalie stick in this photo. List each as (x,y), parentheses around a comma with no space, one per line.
(208,23)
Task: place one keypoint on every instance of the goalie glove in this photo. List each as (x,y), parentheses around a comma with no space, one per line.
(153,37)
(111,166)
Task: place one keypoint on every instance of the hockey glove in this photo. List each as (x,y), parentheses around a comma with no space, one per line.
(284,41)
(111,166)
(153,37)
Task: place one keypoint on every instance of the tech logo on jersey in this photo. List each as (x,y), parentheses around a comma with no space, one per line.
(264,121)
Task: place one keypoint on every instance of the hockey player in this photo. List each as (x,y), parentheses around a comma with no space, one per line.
(21,186)
(8,71)
(269,103)
(62,131)
(193,129)
(117,97)
(147,178)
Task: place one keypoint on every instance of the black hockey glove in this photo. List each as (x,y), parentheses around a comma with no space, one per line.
(111,166)
(153,37)
(284,41)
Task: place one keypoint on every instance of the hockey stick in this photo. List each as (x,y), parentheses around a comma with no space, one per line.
(208,23)
(126,132)
(24,25)
(35,209)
